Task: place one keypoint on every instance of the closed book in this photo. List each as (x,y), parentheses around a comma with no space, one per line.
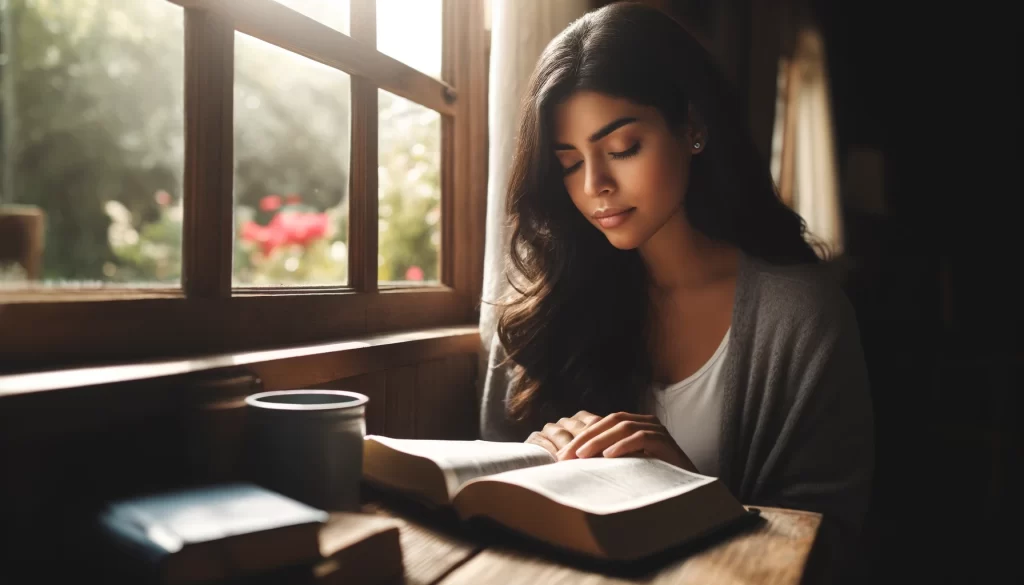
(211,533)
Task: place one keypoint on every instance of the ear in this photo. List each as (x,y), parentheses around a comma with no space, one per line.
(696,130)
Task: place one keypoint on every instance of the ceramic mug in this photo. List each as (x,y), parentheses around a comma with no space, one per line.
(308,445)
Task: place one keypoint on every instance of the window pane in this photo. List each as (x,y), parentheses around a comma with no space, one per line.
(410,31)
(291,168)
(93,142)
(409,176)
(333,13)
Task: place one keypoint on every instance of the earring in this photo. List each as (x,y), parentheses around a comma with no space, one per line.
(696,144)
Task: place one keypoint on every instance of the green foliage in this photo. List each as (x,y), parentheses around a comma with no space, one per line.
(92,113)
(409,184)
(94,135)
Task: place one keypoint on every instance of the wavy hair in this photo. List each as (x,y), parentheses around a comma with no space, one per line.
(576,329)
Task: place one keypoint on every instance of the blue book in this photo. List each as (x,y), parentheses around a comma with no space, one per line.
(212,533)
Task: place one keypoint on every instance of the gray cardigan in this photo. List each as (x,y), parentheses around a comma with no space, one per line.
(797,428)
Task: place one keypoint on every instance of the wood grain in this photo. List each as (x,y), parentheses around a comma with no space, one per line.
(361,548)
(401,403)
(279,25)
(69,410)
(110,331)
(363,190)
(325,362)
(207,234)
(775,553)
(428,554)
(464,143)
(445,399)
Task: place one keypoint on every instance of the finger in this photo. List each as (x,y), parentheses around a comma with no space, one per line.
(629,446)
(598,444)
(557,435)
(598,427)
(653,444)
(573,425)
(542,441)
(586,418)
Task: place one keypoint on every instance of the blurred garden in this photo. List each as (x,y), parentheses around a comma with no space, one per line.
(93,136)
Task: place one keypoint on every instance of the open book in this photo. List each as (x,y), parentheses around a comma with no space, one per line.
(616,509)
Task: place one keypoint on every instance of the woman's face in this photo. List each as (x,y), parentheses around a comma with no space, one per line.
(624,168)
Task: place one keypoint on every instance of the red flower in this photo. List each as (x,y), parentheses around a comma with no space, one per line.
(270,203)
(299,228)
(414,273)
(252,231)
(267,237)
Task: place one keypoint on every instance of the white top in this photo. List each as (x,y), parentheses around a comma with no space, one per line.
(691,410)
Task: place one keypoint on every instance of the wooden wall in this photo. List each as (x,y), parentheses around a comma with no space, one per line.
(53,476)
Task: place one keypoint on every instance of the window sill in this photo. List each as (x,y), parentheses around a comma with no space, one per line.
(276,369)
(91,332)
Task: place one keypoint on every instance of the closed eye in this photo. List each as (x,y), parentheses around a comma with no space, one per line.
(631,151)
(571,169)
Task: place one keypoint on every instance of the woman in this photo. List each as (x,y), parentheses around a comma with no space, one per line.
(668,303)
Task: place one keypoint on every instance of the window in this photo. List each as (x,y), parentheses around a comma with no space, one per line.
(292,146)
(93,142)
(191,176)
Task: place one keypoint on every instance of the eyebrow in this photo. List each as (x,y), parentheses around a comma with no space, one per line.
(605,131)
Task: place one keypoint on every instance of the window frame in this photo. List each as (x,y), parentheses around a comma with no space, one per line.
(48,328)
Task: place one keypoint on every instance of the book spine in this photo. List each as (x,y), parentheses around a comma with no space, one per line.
(126,536)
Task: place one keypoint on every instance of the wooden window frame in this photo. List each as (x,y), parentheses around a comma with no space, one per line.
(62,327)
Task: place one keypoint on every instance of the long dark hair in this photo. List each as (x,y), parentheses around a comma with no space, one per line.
(576,328)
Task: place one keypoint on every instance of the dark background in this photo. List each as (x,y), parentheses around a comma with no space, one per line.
(936,289)
(934,277)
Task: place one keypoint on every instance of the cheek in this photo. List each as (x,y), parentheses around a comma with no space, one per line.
(657,182)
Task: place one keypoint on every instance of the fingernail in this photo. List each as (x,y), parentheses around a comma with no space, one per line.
(583,452)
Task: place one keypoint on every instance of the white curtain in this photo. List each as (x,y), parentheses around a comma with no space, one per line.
(803,151)
(815,181)
(520,29)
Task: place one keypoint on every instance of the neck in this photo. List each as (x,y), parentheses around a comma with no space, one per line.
(679,257)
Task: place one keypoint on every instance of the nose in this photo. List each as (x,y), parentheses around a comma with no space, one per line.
(599,181)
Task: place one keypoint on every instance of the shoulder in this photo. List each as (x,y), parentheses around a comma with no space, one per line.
(797,323)
(800,299)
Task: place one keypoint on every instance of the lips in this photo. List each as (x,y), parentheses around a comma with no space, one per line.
(611,217)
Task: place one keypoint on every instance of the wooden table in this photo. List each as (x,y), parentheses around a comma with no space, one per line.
(439,551)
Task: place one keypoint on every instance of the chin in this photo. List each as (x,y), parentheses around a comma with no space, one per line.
(624,240)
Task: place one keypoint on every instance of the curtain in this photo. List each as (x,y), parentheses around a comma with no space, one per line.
(804,160)
(520,29)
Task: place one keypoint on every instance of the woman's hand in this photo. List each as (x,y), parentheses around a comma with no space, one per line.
(557,435)
(622,434)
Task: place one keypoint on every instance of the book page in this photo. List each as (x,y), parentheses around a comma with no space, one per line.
(606,486)
(462,461)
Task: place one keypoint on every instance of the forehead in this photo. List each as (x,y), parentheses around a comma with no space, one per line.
(585,112)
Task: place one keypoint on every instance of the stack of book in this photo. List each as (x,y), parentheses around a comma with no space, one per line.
(243,533)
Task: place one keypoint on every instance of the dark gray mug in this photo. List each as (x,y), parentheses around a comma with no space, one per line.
(307,445)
